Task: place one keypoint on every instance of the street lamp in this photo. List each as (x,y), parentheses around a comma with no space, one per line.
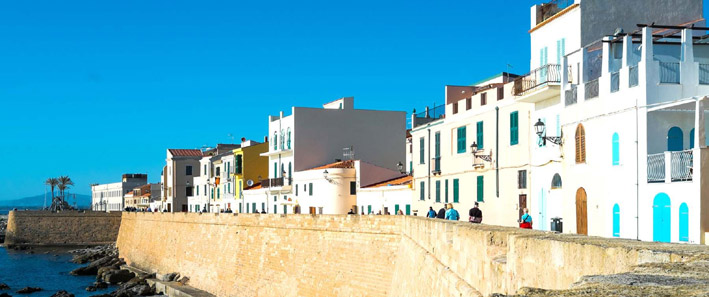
(400,166)
(479,154)
(540,128)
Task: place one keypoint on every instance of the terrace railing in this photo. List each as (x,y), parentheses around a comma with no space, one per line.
(272,182)
(669,72)
(591,89)
(682,162)
(550,73)
(704,74)
(656,168)
(633,76)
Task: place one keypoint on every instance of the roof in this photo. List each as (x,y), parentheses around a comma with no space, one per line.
(185,152)
(256,186)
(398,181)
(338,164)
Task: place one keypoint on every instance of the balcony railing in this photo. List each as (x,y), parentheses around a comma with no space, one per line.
(682,163)
(656,168)
(633,76)
(669,72)
(615,81)
(591,89)
(550,73)
(272,182)
(571,95)
(704,74)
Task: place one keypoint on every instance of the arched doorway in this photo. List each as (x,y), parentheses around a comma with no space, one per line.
(661,218)
(675,139)
(581,212)
(616,220)
(683,222)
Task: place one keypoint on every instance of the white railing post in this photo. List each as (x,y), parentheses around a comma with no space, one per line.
(699,133)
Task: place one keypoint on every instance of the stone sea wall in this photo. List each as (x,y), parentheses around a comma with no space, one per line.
(43,228)
(304,255)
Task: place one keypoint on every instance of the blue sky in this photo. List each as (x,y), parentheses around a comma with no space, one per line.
(93,89)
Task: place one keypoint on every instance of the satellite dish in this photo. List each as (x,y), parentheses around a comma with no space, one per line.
(249,183)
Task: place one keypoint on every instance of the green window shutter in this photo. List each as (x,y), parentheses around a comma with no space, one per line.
(396,209)
(285,209)
(310,189)
(288,137)
(456,191)
(275,141)
(422,152)
(369,209)
(218,192)
(275,170)
(461,140)
(438,191)
(228,188)
(408,209)
(240,208)
(514,128)
(445,192)
(480,188)
(480,137)
(275,209)
(422,191)
(438,145)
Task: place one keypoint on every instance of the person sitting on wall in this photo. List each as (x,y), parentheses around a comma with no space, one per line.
(526,221)
(476,215)
(263,211)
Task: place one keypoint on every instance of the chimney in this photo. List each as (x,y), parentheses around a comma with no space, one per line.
(265,139)
(243,139)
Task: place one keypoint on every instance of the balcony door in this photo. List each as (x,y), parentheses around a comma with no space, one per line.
(675,139)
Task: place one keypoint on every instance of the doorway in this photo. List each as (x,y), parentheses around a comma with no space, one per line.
(522,205)
(581,212)
(661,218)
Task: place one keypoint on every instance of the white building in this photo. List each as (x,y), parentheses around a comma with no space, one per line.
(619,106)
(111,197)
(213,184)
(386,197)
(304,143)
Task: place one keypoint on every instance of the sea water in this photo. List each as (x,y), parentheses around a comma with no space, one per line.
(47,269)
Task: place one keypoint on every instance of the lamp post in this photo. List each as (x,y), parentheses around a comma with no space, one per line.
(479,154)
(540,128)
(400,166)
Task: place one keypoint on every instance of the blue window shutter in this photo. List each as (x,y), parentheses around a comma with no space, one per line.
(456,190)
(563,47)
(616,220)
(480,189)
(480,136)
(422,155)
(616,149)
(683,222)
(461,140)
(558,126)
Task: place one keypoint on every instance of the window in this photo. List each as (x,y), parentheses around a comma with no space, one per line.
(212,194)
(310,189)
(455,108)
(580,144)
(188,170)
(514,128)
(197,190)
(263,206)
(296,190)
(437,152)
(500,93)
(283,169)
(483,98)
(353,188)
(556,181)
(288,137)
(456,190)
(205,169)
(228,168)
(422,152)
(445,192)
(438,191)
(239,164)
(422,188)
(616,149)
(275,140)
(481,191)
(468,103)
(228,187)
(253,207)
(461,140)
(275,198)
(522,179)
(283,139)
(275,170)
(205,189)
(479,135)
(560,50)
(188,191)
(218,193)
(218,171)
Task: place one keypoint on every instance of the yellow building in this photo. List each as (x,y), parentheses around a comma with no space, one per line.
(249,168)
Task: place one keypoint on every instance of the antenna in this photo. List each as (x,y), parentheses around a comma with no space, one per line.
(348,153)
(232,137)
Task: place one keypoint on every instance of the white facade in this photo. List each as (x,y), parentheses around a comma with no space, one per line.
(111,197)
(200,200)
(386,197)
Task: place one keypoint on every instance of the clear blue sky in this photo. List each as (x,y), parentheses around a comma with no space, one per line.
(92,89)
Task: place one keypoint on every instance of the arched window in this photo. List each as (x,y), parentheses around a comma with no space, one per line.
(616,149)
(556,181)
(675,139)
(580,144)
(683,222)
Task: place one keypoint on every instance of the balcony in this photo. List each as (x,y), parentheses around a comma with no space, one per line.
(539,84)
(704,74)
(436,165)
(272,182)
(680,165)
(669,73)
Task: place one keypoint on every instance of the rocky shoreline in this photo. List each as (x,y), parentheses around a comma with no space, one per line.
(3,226)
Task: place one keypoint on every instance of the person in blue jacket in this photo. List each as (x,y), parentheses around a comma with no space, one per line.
(451,213)
(431,213)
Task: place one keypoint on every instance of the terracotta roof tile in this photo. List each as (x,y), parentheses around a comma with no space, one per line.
(339,164)
(185,152)
(399,181)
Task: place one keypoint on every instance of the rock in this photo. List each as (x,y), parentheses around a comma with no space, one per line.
(28,290)
(120,276)
(4,286)
(143,290)
(100,285)
(62,293)
(101,295)
(92,268)
(5,295)
(90,289)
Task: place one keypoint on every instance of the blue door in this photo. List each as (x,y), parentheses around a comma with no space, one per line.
(543,210)
(661,218)
(675,139)
(616,220)
(683,222)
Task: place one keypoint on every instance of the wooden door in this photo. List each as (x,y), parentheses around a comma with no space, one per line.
(581,213)
(312,210)
(522,205)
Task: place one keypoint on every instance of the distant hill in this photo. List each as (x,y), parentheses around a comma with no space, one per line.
(82,201)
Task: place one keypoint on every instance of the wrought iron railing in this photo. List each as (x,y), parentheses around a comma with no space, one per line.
(571,95)
(426,116)
(591,89)
(682,165)
(553,7)
(550,73)
(669,72)
(656,168)
(704,74)
(615,81)
(272,182)
(633,76)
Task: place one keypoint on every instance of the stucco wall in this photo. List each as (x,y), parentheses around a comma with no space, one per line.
(65,228)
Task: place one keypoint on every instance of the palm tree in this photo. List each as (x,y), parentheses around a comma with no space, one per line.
(52,182)
(64,183)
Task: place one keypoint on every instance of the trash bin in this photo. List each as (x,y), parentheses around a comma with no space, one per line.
(557,225)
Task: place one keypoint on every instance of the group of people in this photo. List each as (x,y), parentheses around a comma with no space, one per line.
(475,215)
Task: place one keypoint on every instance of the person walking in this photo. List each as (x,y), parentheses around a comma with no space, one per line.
(431,213)
(476,215)
(441,213)
(451,213)
(526,221)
